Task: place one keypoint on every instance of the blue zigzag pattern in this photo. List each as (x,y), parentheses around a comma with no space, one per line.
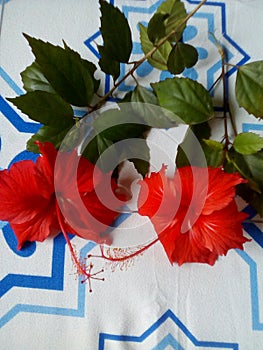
(210,18)
(55,282)
(10,113)
(167,315)
(23,281)
(257,236)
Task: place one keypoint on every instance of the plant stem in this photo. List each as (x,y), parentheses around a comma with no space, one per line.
(254,221)
(222,54)
(145,57)
(215,82)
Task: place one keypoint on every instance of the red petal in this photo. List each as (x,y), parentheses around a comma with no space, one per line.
(188,250)
(37,229)
(221,189)
(87,216)
(157,200)
(221,230)
(75,174)
(21,199)
(184,247)
(151,193)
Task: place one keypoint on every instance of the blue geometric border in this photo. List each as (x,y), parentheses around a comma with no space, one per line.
(9,112)
(167,315)
(151,9)
(24,281)
(257,236)
(55,282)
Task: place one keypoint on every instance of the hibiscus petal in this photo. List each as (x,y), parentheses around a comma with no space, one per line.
(37,229)
(21,199)
(151,193)
(221,189)
(89,217)
(76,174)
(221,230)
(157,199)
(188,250)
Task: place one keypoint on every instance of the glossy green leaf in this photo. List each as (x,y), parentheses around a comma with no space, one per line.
(177,13)
(120,130)
(156,27)
(197,151)
(249,166)
(108,65)
(201,131)
(142,94)
(89,65)
(190,151)
(145,108)
(248,143)
(115,32)
(249,88)
(167,6)
(34,79)
(127,97)
(182,56)
(160,57)
(47,108)
(255,199)
(65,71)
(214,153)
(47,134)
(186,98)
(141,165)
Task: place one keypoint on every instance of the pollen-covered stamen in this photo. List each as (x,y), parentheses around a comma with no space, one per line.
(83,269)
(92,276)
(121,254)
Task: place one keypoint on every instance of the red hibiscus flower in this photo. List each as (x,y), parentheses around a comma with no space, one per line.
(194,214)
(57,193)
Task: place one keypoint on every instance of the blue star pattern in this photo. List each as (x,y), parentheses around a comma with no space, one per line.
(54,280)
(143,341)
(193,34)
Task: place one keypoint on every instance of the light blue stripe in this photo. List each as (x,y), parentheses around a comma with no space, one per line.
(10,82)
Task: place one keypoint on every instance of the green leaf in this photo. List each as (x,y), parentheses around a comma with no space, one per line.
(249,166)
(249,88)
(182,56)
(142,165)
(197,151)
(167,6)
(47,108)
(142,94)
(47,134)
(186,98)
(108,65)
(160,57)
(115,32)
(112,128)
(34,79)
(177,13)
(65,71)
(145,106)
(156,28)
(89,65)
(248,143)
(201,131)
(127,97)
(214,153)
(254,198)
